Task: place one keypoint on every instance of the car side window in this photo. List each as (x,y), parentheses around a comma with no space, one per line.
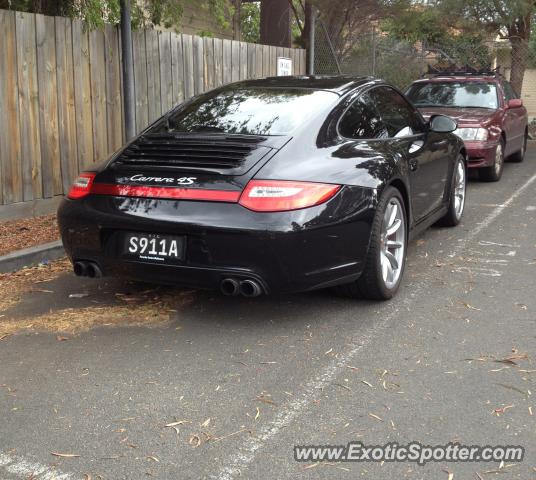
(509,93)
(400,118)
(362,120)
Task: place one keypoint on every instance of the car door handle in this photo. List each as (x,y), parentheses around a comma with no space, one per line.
(414,165)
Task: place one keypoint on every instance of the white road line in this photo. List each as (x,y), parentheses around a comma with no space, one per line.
(245,454)
(21,468)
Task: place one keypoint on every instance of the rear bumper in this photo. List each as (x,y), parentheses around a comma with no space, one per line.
(285,252)
(481,154)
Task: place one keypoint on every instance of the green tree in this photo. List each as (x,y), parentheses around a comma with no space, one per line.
(250,22)
(511,19)
(146,13)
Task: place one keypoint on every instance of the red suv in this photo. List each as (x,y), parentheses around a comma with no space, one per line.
(492,120)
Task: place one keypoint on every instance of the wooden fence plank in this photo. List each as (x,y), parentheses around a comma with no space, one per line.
(227,65)
(32,186)
(114,120)
(177,69)
(188,58)
(10,160)
(266,61)
(140,79)
(154,99)
(208,55)
(243,65)
(250,60)
(273,61)
(258,61)
(218,62)
(98,94)
(82,95)
(166,78)
(235,61)
(48,106)
(66,109)
(199,82)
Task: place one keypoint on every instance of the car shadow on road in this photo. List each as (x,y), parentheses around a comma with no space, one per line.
(72,304)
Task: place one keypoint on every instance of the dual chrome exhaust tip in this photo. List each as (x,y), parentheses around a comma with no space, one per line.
(82,268)
(247,288)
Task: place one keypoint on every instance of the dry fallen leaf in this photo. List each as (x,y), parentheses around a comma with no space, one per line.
(206,423)
(376,417)
(262,398)
(65,455)
(195,441)
(500,410)
(154,459)
(470,307)
(258,413)
(174,424)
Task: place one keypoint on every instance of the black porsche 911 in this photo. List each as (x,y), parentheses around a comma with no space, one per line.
(277,185)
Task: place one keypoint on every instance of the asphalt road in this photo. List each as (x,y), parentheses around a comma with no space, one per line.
(451,358)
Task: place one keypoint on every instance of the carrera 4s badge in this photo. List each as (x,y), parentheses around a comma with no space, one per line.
(170,180)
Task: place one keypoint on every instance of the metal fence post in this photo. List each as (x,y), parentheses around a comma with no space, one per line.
(373,51)
(312,28)
(128,71)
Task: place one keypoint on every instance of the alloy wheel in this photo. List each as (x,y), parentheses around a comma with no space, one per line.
(459,190)
(393,240)
(499,159)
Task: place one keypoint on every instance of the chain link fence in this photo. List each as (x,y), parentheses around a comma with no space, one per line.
(372,53)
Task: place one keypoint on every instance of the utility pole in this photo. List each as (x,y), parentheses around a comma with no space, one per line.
(128,71)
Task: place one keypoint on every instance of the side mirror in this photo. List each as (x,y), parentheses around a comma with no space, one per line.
(515,103)
(442,124)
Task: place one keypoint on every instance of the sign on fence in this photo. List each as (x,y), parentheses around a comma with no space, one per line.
(284,66)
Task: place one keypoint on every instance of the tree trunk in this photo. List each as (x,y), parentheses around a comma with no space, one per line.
(275,23)
(519,33)
(519,63)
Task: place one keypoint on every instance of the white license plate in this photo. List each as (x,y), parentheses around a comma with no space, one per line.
(154,247)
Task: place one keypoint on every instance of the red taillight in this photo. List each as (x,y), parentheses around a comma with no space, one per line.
(81,186)
(282,195)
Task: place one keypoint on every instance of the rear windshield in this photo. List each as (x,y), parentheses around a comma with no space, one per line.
(454,94)
(250,111)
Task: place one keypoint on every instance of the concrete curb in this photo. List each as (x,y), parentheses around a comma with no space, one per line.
(29,257)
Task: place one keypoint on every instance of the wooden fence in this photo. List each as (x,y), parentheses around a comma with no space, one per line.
(61,92)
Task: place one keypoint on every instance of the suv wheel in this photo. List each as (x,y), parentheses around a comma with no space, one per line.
(518,157)
(494,173)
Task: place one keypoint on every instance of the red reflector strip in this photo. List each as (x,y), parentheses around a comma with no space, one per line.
(165,192)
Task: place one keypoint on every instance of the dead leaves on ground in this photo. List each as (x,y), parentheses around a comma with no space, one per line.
(151,307)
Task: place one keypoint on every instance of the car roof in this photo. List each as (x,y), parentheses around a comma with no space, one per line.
(339,84)
(458,79)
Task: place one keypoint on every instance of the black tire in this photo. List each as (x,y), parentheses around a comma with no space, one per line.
(370,284)
(518,157)
(494,173)
(454,214)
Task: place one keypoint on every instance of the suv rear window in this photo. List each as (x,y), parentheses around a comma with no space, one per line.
(454,94)
(250,111)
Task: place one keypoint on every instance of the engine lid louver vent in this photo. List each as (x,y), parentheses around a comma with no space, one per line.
(217,153)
